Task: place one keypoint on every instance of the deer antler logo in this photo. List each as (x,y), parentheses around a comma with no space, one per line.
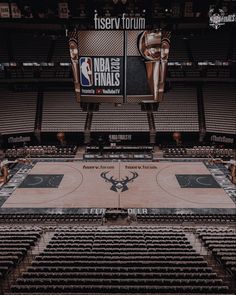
(119,184)
(216,18)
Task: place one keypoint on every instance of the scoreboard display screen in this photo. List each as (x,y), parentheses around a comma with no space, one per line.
(101,75)
(109,67)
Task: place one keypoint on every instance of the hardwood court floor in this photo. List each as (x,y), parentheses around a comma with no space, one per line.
(89,185)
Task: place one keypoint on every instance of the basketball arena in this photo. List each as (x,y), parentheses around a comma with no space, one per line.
(117,147)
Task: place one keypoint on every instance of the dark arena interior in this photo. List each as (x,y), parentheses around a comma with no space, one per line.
(117,147)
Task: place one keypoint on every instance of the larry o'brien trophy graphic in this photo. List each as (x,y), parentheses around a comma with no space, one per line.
(154,47)
(74,55)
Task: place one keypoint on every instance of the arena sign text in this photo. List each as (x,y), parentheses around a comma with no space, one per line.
(119,23)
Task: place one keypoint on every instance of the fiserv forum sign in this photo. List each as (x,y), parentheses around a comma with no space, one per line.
(119,23)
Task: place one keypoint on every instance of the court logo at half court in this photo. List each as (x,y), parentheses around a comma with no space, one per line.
(119,185)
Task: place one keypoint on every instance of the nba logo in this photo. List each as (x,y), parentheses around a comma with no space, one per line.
(86,78)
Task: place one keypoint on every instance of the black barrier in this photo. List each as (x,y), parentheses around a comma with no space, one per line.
(18,140)
(71,138)
(123,138)
(221,139)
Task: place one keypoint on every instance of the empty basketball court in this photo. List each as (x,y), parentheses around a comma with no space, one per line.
(119,185)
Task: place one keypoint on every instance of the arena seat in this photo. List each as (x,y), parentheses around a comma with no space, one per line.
(61,53)
(119,260)
(215,46)
(178,50)
(21,117)
(125,118)
(4,57)
(30,48)
(14,245)
(61,112)
(172,116)
(220,116)
(222,243)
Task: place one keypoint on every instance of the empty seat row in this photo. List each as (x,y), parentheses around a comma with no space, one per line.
(128,274)
(119,281)
(119,260)
(186,217)
(14,246)
(222,245)
(11,217)
(118,289)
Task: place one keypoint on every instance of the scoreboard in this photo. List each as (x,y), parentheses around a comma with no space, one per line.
(114,66)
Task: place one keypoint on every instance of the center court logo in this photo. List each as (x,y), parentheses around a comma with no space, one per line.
(86,71)
(119,185)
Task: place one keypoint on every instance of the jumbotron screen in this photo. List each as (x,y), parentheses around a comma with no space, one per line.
(119,66)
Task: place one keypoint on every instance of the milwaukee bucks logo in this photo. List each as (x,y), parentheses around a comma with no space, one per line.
(119,185)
